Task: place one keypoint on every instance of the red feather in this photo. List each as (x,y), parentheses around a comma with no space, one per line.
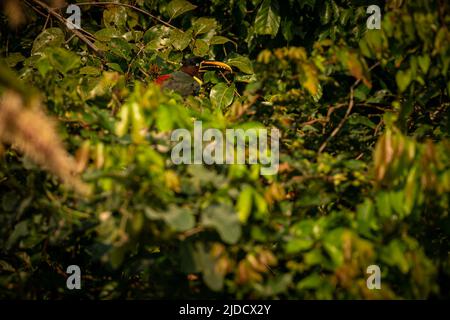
(160,80)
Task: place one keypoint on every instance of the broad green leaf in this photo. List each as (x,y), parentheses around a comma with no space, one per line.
(222,95)
(297,245)
(244,203)
(201,48)
(179,218)
(204,25)
(224,220)
(358,119)
(115,16)
(89,70)
(394,255)
(219,40)
(313,281)
(267,21)
(260,204)
(107,34)
(277,285)
(424,63)
(164,118)
(121,48)
(176,8)
(124,116)
(115,67)
(51,37)
(384,205)
(13,59)
(403,79)
(62,59)
(179,39)
(21,229)
(212,278)
(333,246)
(137,122)
(310,79)
(242,63)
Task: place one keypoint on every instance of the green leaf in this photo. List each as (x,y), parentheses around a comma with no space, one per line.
(403,79)
(179,39)
(383,205)
(242,63)
(298,245)
(138,123)
(424,63)
(333,246)
(178,7)
(121,48)
(62,59)
(115,16)
(89,70)
(219,40)
(366,217)
(224,220)
(244,203)
(358,119)
(107,34)
(201,48)
(164,118)
(51,37)
(20,230)
(222,95)
(204,25)
(13,59)
(267,21)
(10,200)
(124,116)
(179,218)
(310,282)
(115,67)
(394,255)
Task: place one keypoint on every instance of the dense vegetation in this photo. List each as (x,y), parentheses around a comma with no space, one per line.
(86,176)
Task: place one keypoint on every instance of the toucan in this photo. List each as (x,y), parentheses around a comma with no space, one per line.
(188,80)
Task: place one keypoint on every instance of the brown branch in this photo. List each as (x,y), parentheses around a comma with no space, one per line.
(56,15)
(128,6)
(341,124)
(347,113)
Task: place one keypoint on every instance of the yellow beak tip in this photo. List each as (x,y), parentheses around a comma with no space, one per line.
(215,65)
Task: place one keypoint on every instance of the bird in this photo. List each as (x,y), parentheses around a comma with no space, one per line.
(188,80)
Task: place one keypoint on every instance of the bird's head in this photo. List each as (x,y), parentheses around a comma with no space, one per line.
(196,66)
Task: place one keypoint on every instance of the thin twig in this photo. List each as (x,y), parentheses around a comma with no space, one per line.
(128,6)
(341,124)
(37,10)
(80,35)
(46,22)
(347,113)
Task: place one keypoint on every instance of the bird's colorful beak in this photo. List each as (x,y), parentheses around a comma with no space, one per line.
(214,65)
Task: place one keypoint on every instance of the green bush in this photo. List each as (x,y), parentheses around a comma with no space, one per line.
(364,176)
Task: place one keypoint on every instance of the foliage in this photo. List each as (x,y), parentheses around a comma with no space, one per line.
(364,173)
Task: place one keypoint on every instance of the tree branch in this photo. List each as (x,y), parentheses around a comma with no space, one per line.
(347,113)
(128,6)
(56,15)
